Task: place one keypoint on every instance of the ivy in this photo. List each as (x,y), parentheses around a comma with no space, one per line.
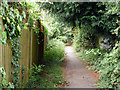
(13,23)
(4,83)
(17,16)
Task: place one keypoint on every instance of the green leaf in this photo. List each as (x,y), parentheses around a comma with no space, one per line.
(2,16)
(6,26)
(4,83)
(25,27)
(24,15)
(18,28)
(13,19)
(4,34)
(8,20)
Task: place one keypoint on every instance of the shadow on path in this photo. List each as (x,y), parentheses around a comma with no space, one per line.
(76,73)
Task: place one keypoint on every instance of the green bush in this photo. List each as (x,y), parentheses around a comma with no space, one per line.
(47,77)
(51,74)
(90,54)
(34,76)
(93,57)
(110,69)
(107,63)
(63,38)
(84,37)
(55,51)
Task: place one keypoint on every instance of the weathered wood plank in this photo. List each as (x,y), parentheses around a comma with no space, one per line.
(8,58)
(0,46)
(25,53)
(23,41)
(35,48)
(45,42)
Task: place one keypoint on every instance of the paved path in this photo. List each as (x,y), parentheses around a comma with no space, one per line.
(76,73)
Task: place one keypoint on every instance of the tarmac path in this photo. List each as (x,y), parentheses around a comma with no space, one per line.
(76,73)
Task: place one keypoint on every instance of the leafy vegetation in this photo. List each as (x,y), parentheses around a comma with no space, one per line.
(17,16)
(91,21)
(55,28)
(106,63)
(4,83)
(84,37)
(54,52)
(49,75)
(110,70)
(12,20)
(93,57)
(86,22)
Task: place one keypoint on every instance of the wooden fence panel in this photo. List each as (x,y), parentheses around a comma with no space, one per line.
(7,61)
(25,53)
(0,46)
(35,49)
(5,56)
(1,27)
(31,52)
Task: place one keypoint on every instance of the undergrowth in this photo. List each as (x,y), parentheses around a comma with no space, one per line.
(49,75)
(55,51)
(106,63)
(93,57)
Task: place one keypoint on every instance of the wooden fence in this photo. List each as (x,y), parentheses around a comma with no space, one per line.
(31,52)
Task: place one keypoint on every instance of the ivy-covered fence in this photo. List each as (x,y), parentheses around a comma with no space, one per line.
(31,52)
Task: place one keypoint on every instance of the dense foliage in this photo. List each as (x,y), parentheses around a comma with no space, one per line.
(54,51)
(106,63)
(55,28)
(16,17)
(48,75)
(90,22)
(98,16)
(86,21)
(12,20)
(84,37)
(72,12)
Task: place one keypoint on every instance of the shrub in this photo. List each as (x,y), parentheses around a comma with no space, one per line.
(93,57)
(47,77)
(34,76)
(110,69)
(55,51)
(107,63)
(84,37)
(63,38)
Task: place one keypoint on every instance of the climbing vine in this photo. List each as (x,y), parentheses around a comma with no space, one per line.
(13,15)
(13,24)
(17,16)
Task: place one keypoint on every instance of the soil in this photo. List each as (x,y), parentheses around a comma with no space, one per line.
(76,73)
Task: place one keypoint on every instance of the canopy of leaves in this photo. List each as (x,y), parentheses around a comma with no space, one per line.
(102,16)
(73,12)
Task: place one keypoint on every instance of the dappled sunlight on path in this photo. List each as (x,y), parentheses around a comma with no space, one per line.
(76,73)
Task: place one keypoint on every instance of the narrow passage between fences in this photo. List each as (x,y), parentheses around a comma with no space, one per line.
(76,73)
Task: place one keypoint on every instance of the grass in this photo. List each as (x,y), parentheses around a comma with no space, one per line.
(50,77)
(54,73)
